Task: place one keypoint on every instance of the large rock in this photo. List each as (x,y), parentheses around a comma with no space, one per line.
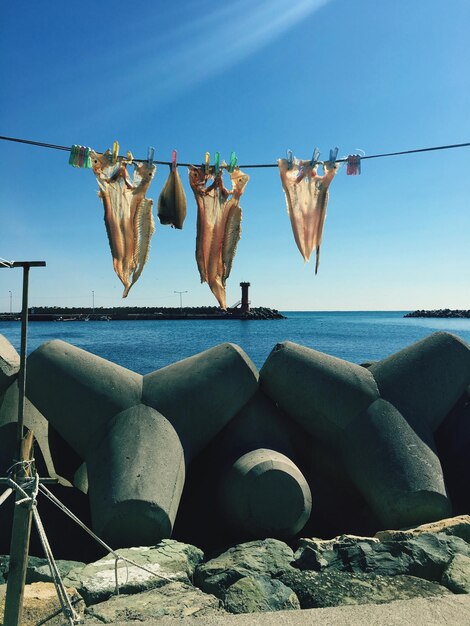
(175,599)
(254,594)
(41,604)
(425,555)
(457,575)
(167,562)
(38,570)
(333,588)
(265,557)
(456,526)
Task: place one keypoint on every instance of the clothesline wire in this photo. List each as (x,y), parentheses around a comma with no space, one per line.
(257,165)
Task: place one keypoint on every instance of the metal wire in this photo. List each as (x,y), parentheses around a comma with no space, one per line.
(256,165)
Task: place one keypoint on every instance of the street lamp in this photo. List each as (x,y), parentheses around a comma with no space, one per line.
(93,302)
(181,298)
(10,300)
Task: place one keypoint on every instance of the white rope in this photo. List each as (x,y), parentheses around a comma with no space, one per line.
(5,495)
(32,484)
(117,556)
(5,263)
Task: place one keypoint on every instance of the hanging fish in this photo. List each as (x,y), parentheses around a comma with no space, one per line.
(172,201)
(127,213)
(307,198)
(218,225)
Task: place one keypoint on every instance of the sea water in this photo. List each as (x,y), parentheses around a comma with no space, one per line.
(144,346)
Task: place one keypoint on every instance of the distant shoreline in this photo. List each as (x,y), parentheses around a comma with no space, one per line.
(443,313)
(82,314)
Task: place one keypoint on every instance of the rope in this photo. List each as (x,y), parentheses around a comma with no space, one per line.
(5,495)
(257,165)
(31,485)
(117,556)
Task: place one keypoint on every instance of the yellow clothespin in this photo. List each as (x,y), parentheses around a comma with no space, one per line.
(130,158)
(115,153)
(207,162)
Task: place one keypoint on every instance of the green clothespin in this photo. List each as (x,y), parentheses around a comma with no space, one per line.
(216,163)
(87,158)
(233,162)
(73,155)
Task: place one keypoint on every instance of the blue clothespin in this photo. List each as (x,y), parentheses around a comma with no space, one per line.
(150,153)
(333,155)
(290,159)
(216,163)
(233,162)
(315,157)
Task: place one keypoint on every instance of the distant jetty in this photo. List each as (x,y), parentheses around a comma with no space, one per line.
(459,313)
(82,314)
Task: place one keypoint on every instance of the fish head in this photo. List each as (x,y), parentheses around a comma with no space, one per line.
(197,177)
(100,162)
(239,181)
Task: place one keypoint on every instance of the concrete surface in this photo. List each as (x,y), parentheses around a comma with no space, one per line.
(446,611)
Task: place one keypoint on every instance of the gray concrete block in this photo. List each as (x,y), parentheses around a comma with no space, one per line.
(201,394)
(136,476)
(265,494)
(79,392)
(9,364)
(425,380)
(397,472)
(321,392)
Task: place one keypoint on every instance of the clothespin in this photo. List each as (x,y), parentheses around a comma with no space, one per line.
(290,159)
(207,162)
(130,158)
(115,152)
(150,153)
(87,158)
(73,155)
(216,162)
(315,157)
(333,155)
(173,161)
(233,162)
(81,156)
(354,165)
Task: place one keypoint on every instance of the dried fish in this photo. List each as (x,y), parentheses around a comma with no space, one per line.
(127,213)
(218,225)
(307,199)
(172,201)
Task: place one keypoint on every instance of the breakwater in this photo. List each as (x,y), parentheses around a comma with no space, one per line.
(443,313)
(80,314)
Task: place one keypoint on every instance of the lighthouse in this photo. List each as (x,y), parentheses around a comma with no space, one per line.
(245,304)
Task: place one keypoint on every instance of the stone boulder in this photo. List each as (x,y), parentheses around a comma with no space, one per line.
(38,570)
(41,604)
(334,588)
(167,562)
(254,594)
(457,575)
(175,599)
(265,557)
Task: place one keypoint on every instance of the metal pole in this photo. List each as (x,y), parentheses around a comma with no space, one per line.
(22,516)
(93,301)
(181,299)
(10,300)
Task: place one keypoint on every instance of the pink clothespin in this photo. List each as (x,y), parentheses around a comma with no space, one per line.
(173,161)
(354,165)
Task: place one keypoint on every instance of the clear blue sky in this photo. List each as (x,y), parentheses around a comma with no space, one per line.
(258,78)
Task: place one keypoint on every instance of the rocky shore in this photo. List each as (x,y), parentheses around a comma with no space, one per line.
(428,561)
(459,313)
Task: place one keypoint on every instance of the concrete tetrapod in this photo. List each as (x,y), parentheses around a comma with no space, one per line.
(265,494)
(425,380)
(332,399)
(136,476)
(201,394)
(95,406)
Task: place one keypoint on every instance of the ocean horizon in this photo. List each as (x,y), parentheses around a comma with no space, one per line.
(146,345)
